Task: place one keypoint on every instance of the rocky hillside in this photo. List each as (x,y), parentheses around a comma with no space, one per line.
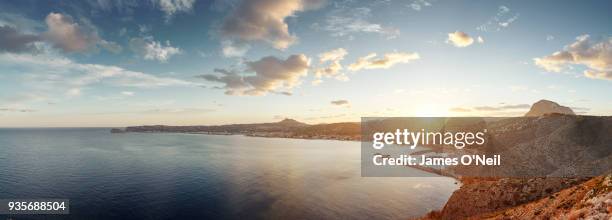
(550,145)
(554,142)
(287,128)
(535,198)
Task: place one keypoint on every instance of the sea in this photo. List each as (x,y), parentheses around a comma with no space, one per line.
(196,176)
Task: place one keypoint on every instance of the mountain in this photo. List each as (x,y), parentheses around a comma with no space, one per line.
(544,106)
(291,123)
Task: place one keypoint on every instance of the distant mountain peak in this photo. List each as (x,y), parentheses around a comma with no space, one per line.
(291,122)
(544,107)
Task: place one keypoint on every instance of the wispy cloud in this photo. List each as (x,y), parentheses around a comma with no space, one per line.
(501,20)
(388,60)
(16,110)
(417,5)
(150,49)
(171,7)
(58,73)
(340,102)
(346,22)
(498,109)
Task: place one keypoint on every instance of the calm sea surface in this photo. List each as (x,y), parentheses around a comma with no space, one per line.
(187,176)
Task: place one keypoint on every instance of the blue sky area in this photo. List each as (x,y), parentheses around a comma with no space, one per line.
(181,62)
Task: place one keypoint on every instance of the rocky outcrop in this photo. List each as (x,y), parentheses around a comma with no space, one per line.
(535,198)
(544,107)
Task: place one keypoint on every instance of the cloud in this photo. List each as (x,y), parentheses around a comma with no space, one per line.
(127,93)
(73,92)
(171,7)
(178,111)
(417,5)
(13,41)
(480,40)
(16,110)
(19,22)
(333,55)
(60,72)
(340,102)
(460,109)
(502,108)
(333,69)
(150,49)
(234,49)
(596,56)
(271,74)
(388,60)
(168,7)
(491,108)
(501,20)
(68,35)
(63,33)
(264,20)
(111,46)
(459,39)
(346,21)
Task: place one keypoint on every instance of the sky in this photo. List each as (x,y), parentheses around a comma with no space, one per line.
(110,63)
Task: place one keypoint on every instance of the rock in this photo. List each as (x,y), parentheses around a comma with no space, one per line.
(544,107)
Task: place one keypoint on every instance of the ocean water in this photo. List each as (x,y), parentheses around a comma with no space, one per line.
(190,176)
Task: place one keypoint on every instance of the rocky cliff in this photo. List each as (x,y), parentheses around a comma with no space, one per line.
(535,198)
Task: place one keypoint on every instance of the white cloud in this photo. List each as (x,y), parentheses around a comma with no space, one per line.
(271,75)
(264,20)
(459,39)
(333,55)
(480,40)
(127,93)
(333,69)
(388,60)
(345,22)
(171,7)
(596,56)
(417,5)
(150,49)
(501,20)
